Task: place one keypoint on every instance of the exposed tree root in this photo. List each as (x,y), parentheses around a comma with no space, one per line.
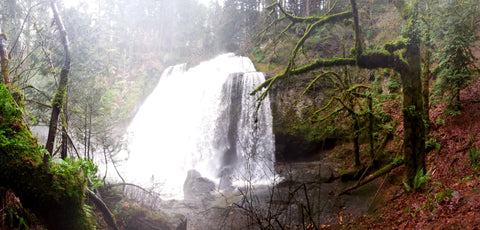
(103,208)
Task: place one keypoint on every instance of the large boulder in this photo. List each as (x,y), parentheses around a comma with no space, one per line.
(197,188)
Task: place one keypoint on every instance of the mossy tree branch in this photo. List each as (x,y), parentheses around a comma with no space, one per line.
(409,69)
(397,45)
(319,21)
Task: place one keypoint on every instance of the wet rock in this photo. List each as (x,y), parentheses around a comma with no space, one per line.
(295,148)
(197,188)
(142,221)
(325,174)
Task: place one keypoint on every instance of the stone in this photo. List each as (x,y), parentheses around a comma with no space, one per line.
(197,188)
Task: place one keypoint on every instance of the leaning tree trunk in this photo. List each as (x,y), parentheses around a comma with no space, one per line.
(59,97)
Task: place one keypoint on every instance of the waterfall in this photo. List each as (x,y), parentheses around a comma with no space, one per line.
(203,118)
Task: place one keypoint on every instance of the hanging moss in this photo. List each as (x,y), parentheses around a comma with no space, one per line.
(57,198)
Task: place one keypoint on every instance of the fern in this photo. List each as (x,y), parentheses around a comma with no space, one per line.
(419,181)
(473,154)
(88,210)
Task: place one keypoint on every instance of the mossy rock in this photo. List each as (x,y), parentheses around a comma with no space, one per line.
(57,199)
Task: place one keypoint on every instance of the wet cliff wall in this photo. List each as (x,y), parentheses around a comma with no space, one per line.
(297,138)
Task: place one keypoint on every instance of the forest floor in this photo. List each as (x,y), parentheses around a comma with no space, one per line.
(450,199)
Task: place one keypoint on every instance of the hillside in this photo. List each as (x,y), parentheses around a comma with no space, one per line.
(450,198)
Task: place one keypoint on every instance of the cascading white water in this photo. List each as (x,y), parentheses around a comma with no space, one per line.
(203,119)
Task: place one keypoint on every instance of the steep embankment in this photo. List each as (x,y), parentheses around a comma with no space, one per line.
(450,198)
(55,197)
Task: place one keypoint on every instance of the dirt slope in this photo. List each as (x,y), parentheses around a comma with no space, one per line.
(451,198)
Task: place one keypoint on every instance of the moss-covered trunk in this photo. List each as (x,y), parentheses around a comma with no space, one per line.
(413,120)
(59,97)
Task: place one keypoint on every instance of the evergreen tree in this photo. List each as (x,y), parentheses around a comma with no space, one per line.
(456,34)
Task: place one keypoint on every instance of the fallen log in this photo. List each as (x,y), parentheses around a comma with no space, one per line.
(386,169)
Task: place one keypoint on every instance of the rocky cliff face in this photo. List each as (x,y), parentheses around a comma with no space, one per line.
(295,140)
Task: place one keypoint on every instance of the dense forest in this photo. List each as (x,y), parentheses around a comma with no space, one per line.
(373,100)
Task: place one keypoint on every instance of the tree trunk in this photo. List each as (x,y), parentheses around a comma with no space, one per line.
(59,97)
(426,89)
(356,145)
(64,150)
(426,74)
(89,138)
(308,8)
(4,60)
(414,127)
(85,133)
(105,158)
(371,120)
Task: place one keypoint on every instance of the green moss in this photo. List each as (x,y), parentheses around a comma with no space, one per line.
(397,45)
(324,63)
(59,97)
(382,59)
(56,199)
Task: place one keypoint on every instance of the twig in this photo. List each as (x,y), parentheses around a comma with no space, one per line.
(129,184)
(22,27)
(376,194)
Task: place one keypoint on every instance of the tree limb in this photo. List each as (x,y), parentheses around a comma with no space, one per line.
(107,214)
